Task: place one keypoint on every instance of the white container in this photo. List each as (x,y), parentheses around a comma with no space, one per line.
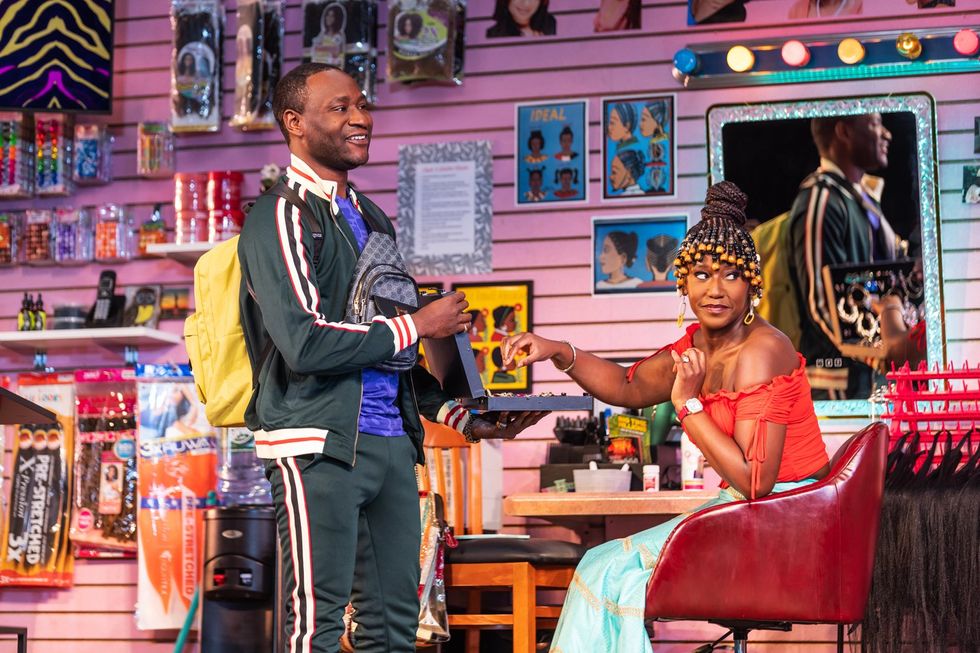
(651,478)
(692,465)
(602,480)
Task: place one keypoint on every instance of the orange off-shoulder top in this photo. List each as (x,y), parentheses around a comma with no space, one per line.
(784,400)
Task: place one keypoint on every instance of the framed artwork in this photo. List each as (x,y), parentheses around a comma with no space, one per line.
(616,15)
(498,310)
(445,207)
(551,153)
(639,147)
(635,254)
(74,77)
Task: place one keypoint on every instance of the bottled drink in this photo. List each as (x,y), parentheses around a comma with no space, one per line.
(241,475)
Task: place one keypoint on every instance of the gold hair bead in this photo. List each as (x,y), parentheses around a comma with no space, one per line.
(740,261)
(702,247)
(677,262)
(746,274)
(719,249)
(716,266)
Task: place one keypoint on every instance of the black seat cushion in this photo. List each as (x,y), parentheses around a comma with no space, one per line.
(510,549)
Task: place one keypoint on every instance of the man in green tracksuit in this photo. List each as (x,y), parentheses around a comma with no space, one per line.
(836,218)
(340,436)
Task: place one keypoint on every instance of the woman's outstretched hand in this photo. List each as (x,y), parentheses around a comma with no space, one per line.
(690,368)
(533,349)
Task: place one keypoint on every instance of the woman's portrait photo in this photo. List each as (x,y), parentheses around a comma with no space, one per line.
(616,15)
(329,45)
(522,18)
(551,147)
(971,184)
(635,254)
(638,147)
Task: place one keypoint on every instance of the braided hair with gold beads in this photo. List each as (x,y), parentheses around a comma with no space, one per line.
(721,235)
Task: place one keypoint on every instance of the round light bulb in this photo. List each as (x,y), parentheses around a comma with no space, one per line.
(908,45)
(795,54)
(687,61)
(740,59)
(850,51)
(966,42)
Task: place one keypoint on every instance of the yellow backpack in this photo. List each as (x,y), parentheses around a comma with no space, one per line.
(778,306)
(213,334)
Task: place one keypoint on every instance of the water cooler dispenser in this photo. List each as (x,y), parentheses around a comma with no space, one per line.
(239,585)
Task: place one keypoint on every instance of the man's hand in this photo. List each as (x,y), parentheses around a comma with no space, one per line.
(443,317)
(507,426)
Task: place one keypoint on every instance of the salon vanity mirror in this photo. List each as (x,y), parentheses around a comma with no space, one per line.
(767,149)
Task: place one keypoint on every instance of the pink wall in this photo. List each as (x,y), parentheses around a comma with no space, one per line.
(550,247)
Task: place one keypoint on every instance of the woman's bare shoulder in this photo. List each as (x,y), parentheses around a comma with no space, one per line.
(766,354)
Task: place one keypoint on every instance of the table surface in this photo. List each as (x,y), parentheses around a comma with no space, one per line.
(583,504)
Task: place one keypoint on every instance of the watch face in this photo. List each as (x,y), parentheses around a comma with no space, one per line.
(693,405)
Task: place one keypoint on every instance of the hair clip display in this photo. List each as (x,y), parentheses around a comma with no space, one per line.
(113,234)
(71,231)
(52,154)
(36,243)
(16,156)
(93,150)
(10,226)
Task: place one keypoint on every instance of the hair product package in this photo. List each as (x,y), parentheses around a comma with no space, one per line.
(343,33)
(35,550)
(104,511)
(258,63)
(195,90)
(176,464)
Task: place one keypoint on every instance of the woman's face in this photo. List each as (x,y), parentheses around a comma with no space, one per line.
(566,180)
(330,20)
(566,141)
(534,181)
(717,297)
(522,10)
(619,175)
(648,124)
(615,127)
(510,322)
(610,260)
(535,145)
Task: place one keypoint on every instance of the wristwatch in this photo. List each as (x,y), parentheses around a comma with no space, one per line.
(468,430)
(691,406)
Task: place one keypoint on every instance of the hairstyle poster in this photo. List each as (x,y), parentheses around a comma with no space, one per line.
(635,254)
(639,147)
(551,153)
(971,184)
(498,310)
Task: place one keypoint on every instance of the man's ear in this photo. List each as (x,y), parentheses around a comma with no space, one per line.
(842,130)
(293,122)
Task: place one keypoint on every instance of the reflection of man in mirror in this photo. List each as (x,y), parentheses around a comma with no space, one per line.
(836,218)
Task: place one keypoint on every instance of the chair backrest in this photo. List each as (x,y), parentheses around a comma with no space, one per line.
(803,556)
(453,471)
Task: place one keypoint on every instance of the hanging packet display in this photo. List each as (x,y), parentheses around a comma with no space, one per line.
(195,90)
(35,550)
(104,501)
(421,40)
(343,33)
(176,461)
(258,44)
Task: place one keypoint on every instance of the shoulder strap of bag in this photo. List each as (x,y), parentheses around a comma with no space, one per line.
(306,213)
(370,213)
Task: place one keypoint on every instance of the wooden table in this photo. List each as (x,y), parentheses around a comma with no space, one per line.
(598,517)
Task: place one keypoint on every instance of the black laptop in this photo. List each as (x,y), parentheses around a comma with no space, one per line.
(451,361)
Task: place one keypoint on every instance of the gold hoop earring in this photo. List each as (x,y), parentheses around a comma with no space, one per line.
(749,317)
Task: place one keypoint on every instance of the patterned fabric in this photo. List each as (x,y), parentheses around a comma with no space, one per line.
(603,611)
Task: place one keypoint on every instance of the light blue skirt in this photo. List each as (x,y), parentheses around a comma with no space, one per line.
(604,608)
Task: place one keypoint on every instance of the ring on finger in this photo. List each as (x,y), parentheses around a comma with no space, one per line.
(685,359)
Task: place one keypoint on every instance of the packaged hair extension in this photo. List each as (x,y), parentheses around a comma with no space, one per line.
(195,95)
(35,550)
(104,510)
(177,457)
(421,40)
(343,33)
(258,44)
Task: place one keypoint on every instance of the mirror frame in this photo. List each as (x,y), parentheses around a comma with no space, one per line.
(923,108)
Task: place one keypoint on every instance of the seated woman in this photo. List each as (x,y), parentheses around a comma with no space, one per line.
(741,395)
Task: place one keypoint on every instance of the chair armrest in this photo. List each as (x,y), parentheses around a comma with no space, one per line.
(773,559)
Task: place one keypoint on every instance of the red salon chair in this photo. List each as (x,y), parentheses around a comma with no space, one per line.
(804,556)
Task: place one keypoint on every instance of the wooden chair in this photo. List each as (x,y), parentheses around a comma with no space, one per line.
(522,566)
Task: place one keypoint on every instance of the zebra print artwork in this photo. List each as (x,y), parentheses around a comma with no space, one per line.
(56,55)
